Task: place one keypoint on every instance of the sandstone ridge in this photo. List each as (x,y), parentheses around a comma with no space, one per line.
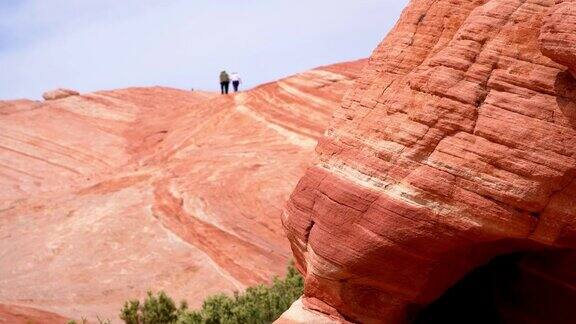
(106,195)
(455,148)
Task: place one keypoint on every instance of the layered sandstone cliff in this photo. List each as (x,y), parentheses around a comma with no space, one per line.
(457,145)
(108,194)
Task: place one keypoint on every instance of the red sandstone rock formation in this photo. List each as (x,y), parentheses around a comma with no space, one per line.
(106,195)
(59,94)
(457,145)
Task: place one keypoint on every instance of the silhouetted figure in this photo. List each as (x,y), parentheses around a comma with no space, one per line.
(235,77)
(224,82)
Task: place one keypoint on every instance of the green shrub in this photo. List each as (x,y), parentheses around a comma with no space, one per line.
(130,312)
(159,309)
(258,304)
(85,321)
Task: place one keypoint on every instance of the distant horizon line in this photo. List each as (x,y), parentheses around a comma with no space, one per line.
(215,91)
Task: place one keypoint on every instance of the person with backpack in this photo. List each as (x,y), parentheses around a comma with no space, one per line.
(224,82)
(235,77)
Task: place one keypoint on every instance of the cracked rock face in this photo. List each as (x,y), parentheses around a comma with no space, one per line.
(458,145)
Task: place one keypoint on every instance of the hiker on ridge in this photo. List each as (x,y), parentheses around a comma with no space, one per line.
(224,82)
(235,77)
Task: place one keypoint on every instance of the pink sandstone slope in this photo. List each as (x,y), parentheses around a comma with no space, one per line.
(106,195)
(457,145)
(10,314)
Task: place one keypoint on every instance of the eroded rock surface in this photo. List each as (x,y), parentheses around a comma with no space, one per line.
(457,145)
(558,34)
(106,195)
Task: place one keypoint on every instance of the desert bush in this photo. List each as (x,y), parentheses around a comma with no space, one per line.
(258,304)
(156,309)
(85,321)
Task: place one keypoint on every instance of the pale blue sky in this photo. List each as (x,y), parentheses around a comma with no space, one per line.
(91,45)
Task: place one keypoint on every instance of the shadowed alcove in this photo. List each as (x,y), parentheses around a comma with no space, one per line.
(530,287)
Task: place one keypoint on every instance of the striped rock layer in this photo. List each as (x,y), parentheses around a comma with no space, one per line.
(456,146)
(11,314)
(106,195)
